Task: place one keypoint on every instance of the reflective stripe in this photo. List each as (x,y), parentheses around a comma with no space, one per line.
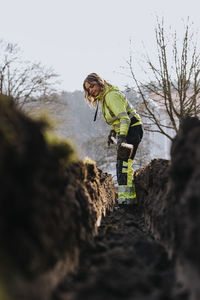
(122,114)
(127,122)
(138,123)
(125,167)
(124,122)
(129,107)
(125,189)
(130,173)
(110,121)
(126,195)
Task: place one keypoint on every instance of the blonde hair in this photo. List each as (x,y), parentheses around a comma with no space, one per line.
(93,77)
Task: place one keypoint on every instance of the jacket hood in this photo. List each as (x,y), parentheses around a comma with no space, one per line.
(108,89)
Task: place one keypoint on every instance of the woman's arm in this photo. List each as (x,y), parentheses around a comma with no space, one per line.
(117,104)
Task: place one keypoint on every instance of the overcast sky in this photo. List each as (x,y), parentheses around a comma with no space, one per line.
(77,37)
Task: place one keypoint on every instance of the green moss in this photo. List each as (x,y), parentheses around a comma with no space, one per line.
(62,148)
(3,293)
(8,131)
(88,161)
(43,117)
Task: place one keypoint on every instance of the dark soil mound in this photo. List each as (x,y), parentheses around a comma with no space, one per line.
(155,196)
(185,186)
(169,194)
(125,262)
(49,206)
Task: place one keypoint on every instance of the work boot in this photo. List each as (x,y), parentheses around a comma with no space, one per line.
(127,202)
(127,207)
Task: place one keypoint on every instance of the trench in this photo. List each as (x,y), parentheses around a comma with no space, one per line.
(124,262)
(51,206)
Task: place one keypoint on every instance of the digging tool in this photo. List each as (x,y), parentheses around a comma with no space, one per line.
(124,145)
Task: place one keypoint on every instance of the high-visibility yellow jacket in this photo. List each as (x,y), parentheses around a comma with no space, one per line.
(117,111)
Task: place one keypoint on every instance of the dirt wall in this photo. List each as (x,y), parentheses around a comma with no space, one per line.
(50,205)
(169,197)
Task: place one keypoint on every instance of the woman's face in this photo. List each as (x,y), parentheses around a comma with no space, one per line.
(93,88)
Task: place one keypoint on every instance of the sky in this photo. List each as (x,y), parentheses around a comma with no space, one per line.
(77,37)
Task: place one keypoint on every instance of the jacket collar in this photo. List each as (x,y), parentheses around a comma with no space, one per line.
(108,89)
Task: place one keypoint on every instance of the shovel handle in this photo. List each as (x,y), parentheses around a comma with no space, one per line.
(125,145)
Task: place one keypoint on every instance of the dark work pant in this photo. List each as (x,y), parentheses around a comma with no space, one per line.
(134,137)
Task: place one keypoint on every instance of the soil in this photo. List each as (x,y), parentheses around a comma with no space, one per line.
(50,209)
(125,262)
(49,205)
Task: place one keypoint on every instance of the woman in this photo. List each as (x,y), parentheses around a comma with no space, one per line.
(125,124)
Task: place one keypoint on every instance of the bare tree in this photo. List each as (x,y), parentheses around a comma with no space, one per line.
(174,87)
(23,80)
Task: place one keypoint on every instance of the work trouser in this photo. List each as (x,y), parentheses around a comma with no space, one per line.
(124,168)
(126,186)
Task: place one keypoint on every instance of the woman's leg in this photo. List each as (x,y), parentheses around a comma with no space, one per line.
(126,188)
(134,137)
(125,172)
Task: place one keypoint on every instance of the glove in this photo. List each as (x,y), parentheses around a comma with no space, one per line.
(112,133)
(122,152)
(121,139)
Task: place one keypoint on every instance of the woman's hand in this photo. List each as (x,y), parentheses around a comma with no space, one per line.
(121,139)
(122,152)
(111,134)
